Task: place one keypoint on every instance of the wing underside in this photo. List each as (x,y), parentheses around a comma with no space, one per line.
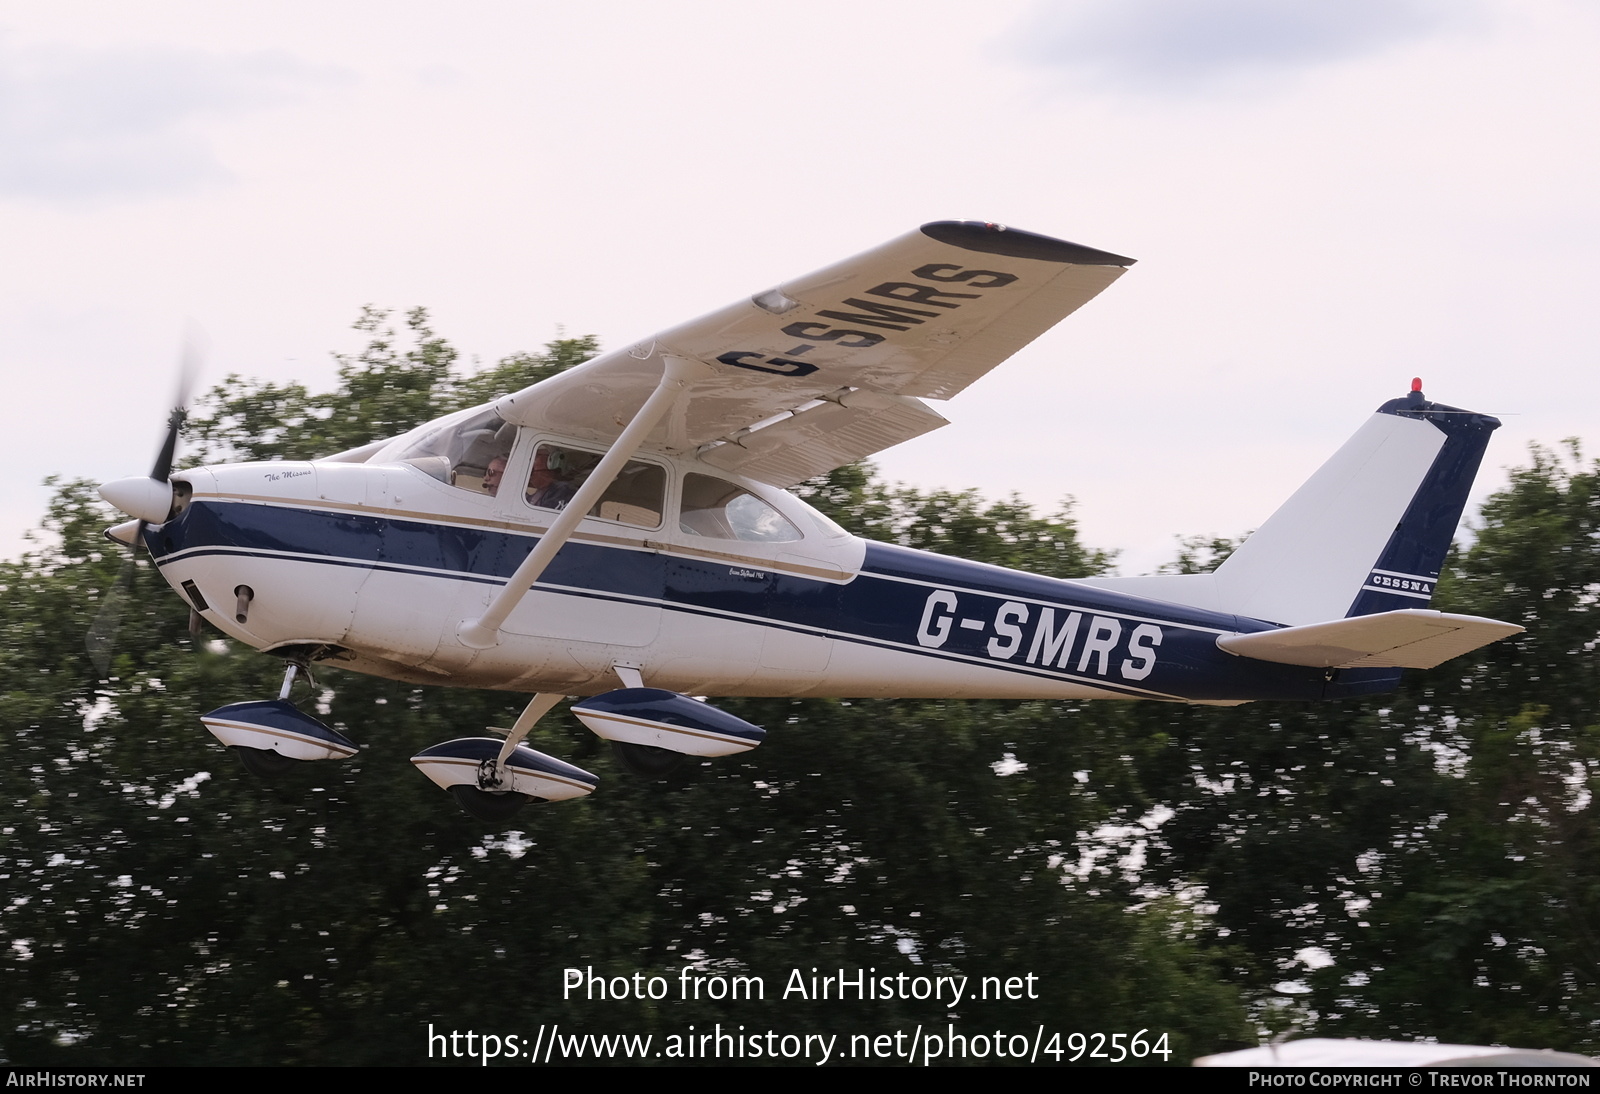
(831,367)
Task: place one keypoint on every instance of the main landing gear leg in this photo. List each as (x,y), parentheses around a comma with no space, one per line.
(492,775)
(491,800)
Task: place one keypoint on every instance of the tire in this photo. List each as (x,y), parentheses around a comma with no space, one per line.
(487,806)
(264,763)
(647,761)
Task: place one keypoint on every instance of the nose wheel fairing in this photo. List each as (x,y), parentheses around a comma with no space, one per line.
(277,726)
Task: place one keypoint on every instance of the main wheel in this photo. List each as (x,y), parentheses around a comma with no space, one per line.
(647,761)
(487,806)
(264,763)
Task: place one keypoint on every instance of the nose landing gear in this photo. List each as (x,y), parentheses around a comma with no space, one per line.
(274,736)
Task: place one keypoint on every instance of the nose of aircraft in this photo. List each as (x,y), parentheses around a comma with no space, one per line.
(140,497)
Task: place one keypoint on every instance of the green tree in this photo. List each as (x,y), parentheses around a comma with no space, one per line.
(959,523)
(399,380)
(1484,921)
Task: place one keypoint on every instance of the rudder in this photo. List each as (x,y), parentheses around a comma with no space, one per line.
(1407,571)
(1369,531)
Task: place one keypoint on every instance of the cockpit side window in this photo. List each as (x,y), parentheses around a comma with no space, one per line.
(637,496)
(718,509)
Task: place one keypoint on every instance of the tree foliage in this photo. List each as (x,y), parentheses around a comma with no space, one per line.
(960,523)
(396,382)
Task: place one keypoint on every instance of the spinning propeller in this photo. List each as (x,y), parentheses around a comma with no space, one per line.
(148,499)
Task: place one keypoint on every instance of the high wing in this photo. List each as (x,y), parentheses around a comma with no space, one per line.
(833,366)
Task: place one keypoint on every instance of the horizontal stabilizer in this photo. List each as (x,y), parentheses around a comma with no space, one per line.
(1411,638)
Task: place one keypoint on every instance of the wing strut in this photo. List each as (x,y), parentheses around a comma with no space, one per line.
(484,632)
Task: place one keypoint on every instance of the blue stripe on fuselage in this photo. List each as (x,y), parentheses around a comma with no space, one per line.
(903,599)
(1012,618)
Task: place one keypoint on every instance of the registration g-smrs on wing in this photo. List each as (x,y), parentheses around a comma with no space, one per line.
(842,357)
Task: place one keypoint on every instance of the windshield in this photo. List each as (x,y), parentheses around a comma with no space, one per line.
(466,450)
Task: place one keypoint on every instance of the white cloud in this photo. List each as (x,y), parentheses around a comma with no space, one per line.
(1162,46)
(80,124)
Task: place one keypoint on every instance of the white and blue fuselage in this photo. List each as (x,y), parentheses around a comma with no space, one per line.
(372,566)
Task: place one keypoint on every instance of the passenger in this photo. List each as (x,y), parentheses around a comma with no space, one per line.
(546,489)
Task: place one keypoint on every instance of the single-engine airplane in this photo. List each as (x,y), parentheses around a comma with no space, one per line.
(622,532)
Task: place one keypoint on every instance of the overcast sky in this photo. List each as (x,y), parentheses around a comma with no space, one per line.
(1326,198)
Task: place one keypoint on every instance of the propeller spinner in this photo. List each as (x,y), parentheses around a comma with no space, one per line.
(148,499)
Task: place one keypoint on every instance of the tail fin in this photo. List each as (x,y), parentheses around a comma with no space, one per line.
(1370,530)
(1367,533)
(1408,567)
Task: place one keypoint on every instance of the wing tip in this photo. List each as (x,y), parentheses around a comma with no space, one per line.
(990,238)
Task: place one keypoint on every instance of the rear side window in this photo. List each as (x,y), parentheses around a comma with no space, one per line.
(718,509)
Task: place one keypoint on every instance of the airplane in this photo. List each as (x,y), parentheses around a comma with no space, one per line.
(623,532)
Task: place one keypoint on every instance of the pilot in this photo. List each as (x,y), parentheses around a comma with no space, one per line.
(491,475)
